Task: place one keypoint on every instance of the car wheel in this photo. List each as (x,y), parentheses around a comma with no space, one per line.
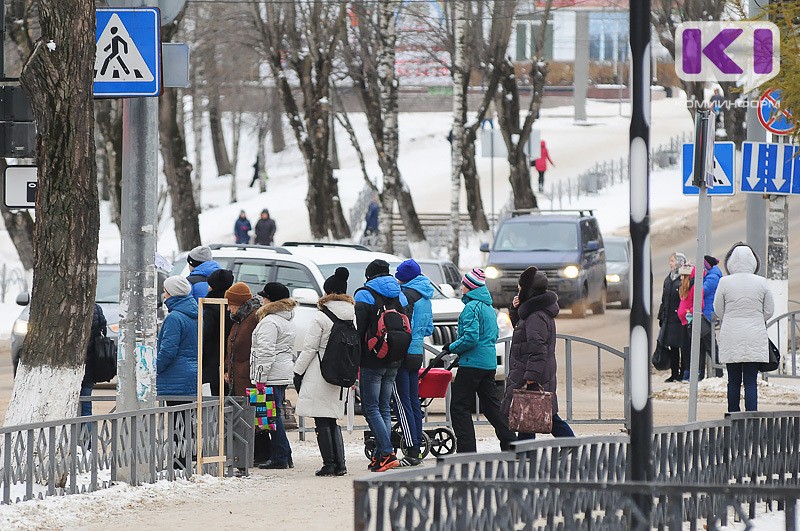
(579,308)
(599,308)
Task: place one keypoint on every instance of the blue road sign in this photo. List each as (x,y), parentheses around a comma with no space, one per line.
(770,168)
(723,169)
(772,115)
(128,62)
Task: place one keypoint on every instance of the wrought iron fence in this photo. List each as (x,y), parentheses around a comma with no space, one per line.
(707,473)
(784,329)
(85,454)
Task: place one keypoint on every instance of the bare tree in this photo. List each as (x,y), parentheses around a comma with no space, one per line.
(460,71)
(369,50)
(67,214)
(299,40)
(108,122)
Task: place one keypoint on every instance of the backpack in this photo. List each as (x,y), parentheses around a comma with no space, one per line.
(390,335)
(342,357)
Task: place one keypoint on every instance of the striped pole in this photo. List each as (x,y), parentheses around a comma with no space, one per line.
(641,427)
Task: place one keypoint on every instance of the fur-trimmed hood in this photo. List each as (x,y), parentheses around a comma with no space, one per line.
(283,308)
(340,297)
(741,259)
(342,306)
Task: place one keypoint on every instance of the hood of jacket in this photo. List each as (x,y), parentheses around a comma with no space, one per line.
(547,301)
(341,305)
(246,309)
(283,308)
(421,284)
(186,305)
(741,259)
(205,269)
(480,294)
(386,285)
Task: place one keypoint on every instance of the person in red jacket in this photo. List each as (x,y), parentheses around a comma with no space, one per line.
(686,314)
(541,165)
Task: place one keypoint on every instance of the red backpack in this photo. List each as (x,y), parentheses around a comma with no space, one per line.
(389,334)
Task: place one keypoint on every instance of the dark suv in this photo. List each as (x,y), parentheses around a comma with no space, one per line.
(566,245)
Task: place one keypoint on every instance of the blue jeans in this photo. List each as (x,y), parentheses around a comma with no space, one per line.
(747,372)
(86,407)
(281,451)
(407,395)
(560,429)
(376,402)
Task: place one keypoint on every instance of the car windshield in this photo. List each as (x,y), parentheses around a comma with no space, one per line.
(616,252)
(107,286)
(537,236)
(357,278)
(433,272)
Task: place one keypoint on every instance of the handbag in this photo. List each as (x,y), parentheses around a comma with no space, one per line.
(288,412)
(774,359)
(661,359)
(531,411)
(103,359)
(262,399)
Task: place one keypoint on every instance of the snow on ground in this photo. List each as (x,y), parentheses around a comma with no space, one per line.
(8,314)
(712,389)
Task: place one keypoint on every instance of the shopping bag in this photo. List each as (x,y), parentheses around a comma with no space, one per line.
(531,411)
(774,359)
(262,399)
(288,412)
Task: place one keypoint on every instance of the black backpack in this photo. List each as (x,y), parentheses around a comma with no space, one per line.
(389,334)
(342,357)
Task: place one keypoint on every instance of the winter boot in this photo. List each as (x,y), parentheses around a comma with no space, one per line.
(338,451)
(326,448)
(262,447)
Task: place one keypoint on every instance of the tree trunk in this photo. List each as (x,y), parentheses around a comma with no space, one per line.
(261,158)
(20,227)
(217,136)
(178,172)
(108,116)
(275,122)
(236,126)
(101,162)
(459,66)
(197,132)
(472,184)
(520,178)
(67,215)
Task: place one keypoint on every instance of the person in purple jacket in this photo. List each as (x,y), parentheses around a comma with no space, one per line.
(533,345)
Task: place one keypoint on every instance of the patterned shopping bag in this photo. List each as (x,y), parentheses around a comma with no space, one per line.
(262,399)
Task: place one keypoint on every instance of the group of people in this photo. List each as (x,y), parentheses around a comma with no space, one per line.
(741,301)
(265,229)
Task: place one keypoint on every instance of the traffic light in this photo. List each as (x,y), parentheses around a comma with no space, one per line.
(17,129)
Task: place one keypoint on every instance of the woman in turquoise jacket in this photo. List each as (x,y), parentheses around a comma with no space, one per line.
(477,364)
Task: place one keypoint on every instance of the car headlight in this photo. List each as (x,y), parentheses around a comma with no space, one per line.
(491,272)
(612,278)
(504,324)
(570,271)
(20,327)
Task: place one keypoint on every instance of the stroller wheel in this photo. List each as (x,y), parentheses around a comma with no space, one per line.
(369,446)
(443,442)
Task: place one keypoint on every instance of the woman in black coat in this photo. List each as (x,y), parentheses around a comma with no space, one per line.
(533,345)
(218,282)
(670,331)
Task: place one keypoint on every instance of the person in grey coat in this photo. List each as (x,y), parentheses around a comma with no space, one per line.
(743,302)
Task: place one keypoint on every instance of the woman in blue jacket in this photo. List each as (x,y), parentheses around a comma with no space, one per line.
(177,341)
(477,364)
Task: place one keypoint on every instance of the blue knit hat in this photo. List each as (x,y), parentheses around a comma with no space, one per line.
(408,270)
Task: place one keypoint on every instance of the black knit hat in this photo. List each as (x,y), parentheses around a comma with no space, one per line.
(274,291)
(532,282)
(710,260)
(377,268)
(220,280)
(337,283)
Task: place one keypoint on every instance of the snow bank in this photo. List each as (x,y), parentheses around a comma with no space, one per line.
(715,389)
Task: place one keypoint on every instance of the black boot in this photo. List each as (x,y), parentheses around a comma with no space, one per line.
(338,451)
(326,448)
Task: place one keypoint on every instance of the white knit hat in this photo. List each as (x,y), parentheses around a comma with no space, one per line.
(177,286)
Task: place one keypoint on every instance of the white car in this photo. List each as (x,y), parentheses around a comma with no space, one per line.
(303,268)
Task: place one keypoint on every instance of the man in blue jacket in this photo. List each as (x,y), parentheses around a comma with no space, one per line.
(377,376)
(177,341)
(418,291)
(201,265)
(477,364)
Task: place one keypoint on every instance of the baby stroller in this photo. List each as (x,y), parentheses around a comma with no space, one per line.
(433,384)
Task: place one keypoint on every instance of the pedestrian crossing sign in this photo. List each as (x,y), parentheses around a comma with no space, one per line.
(724,160)
(128,60)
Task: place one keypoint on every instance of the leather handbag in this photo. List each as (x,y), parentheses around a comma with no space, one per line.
(774,359)
(531,411)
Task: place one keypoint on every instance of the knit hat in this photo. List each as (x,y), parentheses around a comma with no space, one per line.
(377,268)
(198,255)
(533,281)
(238,294)
(274,291)
(177,286)
(474,279)
(408,270)
(220,280)
(709,261)
(337,283)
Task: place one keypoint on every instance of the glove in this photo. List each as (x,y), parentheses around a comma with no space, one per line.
(446,347)
(298,380)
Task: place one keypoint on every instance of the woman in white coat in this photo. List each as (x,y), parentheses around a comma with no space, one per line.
(316,397)
(271,357)
(743,302)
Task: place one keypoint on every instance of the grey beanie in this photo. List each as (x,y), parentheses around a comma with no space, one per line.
(177,286)
(198,255)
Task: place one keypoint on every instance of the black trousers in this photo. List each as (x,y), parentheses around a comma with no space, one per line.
(468,382)
(541,181)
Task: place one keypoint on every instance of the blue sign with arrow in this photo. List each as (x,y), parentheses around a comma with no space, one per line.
(724,169)
(770,168)
(128,61)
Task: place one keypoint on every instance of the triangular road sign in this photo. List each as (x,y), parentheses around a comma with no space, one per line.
(118,58)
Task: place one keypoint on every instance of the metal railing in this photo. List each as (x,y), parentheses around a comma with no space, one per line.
(786,329)
(85,454)
(706,473)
